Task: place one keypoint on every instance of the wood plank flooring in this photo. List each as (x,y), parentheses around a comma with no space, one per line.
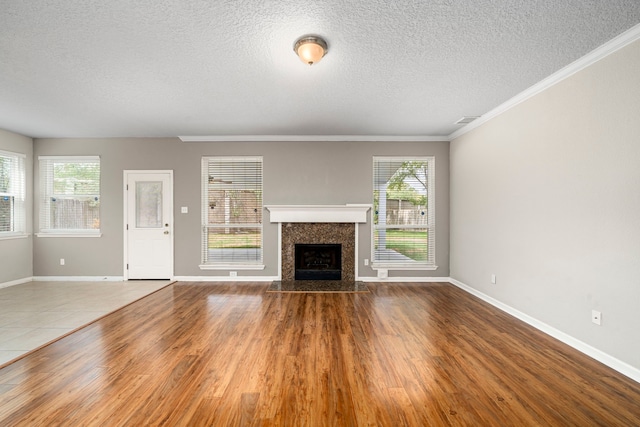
(197,354)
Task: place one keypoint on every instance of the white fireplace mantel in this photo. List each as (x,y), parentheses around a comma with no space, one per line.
(351,213)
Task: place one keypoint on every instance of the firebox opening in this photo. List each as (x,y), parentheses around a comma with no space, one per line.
(318,262)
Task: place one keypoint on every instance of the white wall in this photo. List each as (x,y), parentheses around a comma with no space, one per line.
(547,197)
(16,259)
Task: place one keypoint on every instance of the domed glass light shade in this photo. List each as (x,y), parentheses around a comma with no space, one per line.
(310,49)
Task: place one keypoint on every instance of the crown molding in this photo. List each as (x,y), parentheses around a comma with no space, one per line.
(615,44)
(313,138)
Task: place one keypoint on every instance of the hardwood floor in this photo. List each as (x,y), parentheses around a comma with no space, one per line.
(232,354)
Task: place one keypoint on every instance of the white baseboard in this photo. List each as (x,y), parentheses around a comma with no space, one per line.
(16,282)
(78,278)
(226,278)
(403,279)
(599,355)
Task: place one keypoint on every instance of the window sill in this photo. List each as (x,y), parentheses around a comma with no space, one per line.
(231,267)
(382,266)
(11,236)
(69,234)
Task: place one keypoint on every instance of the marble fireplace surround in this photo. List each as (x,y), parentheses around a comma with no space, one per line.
(310,224)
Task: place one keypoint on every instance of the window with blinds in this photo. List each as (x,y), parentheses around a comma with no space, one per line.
(12,194)
(70,194)
(231,211)
(403,221)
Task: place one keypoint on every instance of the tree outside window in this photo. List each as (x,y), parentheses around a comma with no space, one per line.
(403,232)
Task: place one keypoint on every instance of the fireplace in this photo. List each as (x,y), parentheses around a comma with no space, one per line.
(318,235)
(318,225)
(318,261)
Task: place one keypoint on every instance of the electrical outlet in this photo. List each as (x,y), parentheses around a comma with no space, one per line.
(184,209)
(493,279)
(366,262)
(61,261)
(233,273)
(596,317)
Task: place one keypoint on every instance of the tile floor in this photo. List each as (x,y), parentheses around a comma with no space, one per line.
(35,313)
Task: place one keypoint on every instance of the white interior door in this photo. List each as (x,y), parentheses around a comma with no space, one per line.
(149,225)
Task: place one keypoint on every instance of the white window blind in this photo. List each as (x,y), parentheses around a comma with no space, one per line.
(12,194)
(70,194)
(404,212)
(231,210)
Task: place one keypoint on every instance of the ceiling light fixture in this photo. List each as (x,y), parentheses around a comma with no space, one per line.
(310,49)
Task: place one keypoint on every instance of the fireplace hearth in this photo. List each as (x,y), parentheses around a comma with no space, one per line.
(318,261)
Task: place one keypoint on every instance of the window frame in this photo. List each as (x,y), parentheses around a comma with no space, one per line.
(17,190)
(46,192)
(205,263)
(430,262)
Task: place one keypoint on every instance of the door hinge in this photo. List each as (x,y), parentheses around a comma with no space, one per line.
(127,187)
(127,266)
(127,226)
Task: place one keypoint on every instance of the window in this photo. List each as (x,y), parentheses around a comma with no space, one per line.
(12,194)
(231,212)
(403,218)
(69,195)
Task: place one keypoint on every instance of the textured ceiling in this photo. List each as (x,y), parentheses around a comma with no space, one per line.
(88,68)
